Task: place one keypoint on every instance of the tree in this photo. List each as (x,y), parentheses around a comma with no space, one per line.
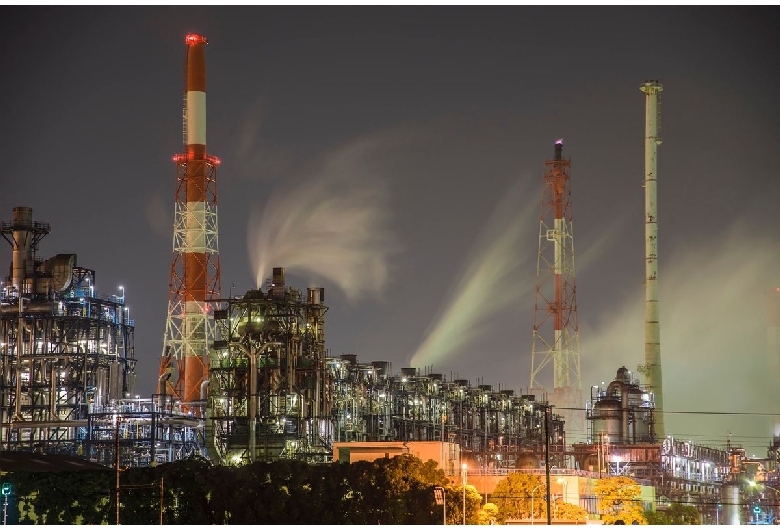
(513,495)
(676,514)
(618,500)
(656,518)
(682,514)
(569,512)
(488,514)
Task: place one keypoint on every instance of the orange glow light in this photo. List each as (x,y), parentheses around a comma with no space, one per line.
(194,38)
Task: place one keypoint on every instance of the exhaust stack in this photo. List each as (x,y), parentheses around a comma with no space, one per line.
(652,367)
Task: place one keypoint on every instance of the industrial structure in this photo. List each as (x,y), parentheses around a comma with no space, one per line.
(249,378)
(621,441)
(195,276)
(652,366)
(270,392)
(274,393)
(556,346)
(68,365)
(67,348)
(773,351)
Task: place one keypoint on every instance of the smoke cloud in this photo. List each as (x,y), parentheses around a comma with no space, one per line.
(333,225)
(495,276)
(713,338)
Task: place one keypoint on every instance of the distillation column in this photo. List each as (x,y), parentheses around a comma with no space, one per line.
(195,278)
(652,367)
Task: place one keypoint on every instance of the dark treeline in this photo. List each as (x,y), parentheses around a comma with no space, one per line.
(386,491)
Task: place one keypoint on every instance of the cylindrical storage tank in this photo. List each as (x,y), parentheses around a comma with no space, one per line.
(349,358)
(382,368)
(730,498)
(313,296)
(115,381)
(411,372)
(607,419)
(100,387)
(22,252)
(130,378)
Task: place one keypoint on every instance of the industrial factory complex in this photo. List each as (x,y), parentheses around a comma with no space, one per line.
(248,377)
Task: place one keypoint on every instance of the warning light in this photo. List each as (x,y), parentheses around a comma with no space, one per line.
(194,38)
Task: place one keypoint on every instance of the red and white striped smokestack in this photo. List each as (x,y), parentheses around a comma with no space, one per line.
(195,113)
(195,267)
(195,260)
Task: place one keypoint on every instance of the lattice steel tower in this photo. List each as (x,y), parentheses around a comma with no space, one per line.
(556,345)
(195,282)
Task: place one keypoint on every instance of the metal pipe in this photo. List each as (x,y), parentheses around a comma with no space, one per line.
(652,89)
(253,392)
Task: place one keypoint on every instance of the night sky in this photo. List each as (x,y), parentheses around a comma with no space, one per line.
(395,155)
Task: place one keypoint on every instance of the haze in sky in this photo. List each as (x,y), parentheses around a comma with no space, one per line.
(395,155)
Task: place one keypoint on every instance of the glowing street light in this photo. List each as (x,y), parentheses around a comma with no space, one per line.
(565,487)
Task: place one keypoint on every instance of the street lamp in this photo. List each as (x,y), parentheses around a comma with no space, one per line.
(565,487)
(464,493)
(532,501)
(441,498)
(753,483)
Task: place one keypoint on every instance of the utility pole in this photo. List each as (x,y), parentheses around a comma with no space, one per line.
(547,457)
(116,463)
(162,489)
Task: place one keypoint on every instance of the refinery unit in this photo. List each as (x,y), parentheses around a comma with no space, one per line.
(68,370)
(274,393)
(724,484)
(249,378)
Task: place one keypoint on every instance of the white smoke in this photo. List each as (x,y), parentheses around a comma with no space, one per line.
(713,337)
(496,275)
(333,225)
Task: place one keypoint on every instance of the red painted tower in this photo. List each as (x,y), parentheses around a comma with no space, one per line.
(556,345)
(195,283)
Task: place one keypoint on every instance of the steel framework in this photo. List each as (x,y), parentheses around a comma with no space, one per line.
(195,273)
(555,331)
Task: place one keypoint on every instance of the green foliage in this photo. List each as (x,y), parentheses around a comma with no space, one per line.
(682,514)
(488,514)
(386,491)
(676,514)
(656,518)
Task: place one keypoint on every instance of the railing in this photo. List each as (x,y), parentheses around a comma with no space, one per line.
(554,472)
